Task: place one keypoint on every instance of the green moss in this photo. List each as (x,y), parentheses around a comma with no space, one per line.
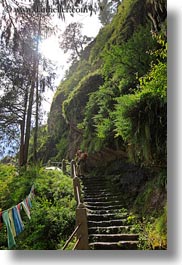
(78,98)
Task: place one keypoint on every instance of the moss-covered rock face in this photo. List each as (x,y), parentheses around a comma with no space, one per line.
(77,100)
(55,116)
(89,109)
(74,108)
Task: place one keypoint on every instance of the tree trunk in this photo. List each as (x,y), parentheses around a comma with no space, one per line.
(21,155)
(37,95)
(36,121)
(22,130)
(29,116)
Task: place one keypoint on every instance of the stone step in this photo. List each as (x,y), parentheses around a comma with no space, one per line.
(103,203)
(121,245)
(111,211)
(90,182)
(112,237)
(100,194)
(95,183)
(104,207)
(110,229)
(112,222)
(101,198)
(107,216)
(95,191)
(105,195)
(92,178)
(95,188)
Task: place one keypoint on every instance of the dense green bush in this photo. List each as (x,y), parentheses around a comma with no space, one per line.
(53,208)
(141,118)
(7,176)
(123,63)
(131,104)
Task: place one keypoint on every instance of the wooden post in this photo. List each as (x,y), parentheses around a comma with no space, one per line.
(73,164)
(64,166)
(82,233)
(81,213)
(77,190)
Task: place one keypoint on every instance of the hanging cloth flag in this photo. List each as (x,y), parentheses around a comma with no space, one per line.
(12,218)
(11,240)
(19,207)
(17,221)
(10,213)
(32,192)
(26,209)
(29,201)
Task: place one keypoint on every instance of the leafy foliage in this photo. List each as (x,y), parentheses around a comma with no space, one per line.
(141,118)
(53,211)
(7,175)
(100,42)
(123,63)
(153,232)
(123,70)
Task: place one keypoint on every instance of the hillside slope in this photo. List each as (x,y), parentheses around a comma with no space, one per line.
(96,107)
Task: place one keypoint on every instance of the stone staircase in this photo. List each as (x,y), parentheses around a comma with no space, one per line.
(108,226)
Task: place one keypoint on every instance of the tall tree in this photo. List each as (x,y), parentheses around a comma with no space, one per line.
(15,84)
(22,34)
(73,40)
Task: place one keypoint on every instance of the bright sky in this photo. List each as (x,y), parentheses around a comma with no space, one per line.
(50,47)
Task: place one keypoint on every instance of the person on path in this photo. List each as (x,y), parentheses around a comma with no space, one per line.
(81,158)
